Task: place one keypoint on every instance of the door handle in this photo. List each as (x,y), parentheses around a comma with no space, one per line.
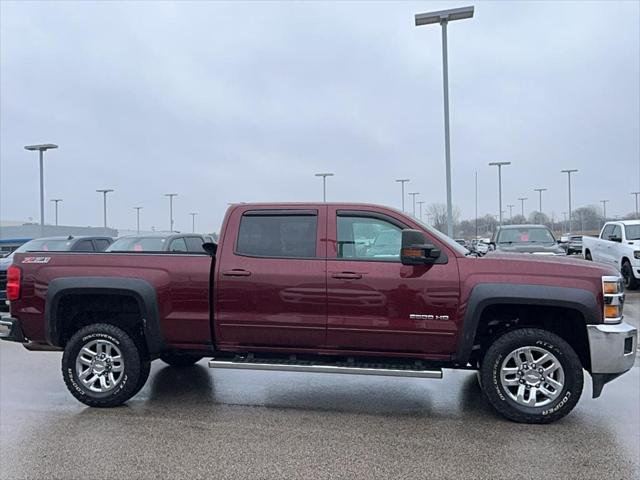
(236,272)
(347,275)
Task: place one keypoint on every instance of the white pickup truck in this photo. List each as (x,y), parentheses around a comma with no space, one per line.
(617,245)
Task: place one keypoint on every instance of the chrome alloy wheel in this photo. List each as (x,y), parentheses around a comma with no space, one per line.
(532,376)
(99,366)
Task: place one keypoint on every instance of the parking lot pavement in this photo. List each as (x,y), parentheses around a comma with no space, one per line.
(194,423)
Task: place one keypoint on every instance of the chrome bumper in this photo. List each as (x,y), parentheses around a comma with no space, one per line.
(612,347)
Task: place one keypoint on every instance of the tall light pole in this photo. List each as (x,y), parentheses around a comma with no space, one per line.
(443,17)
(41,149)
(564,224)
(522,199)
(171,195)
(193,221)
(137,209)
(636,194)
(413,195)
(104,192)
(499,165)
(510,207)
(56,201)
(402,182)
(540,190)
(476,204)
(604,211)
(420,203)
(569,172)
(324,184)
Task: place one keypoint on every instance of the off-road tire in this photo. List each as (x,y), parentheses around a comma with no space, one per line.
(133,376)
(531,337)
(630,282)
(179,360)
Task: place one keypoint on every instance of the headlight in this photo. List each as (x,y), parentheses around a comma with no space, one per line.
(613,291)
(636,254)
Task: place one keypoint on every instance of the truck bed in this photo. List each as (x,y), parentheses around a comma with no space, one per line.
(181,283)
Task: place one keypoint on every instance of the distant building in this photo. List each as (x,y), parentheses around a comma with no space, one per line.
(12,236)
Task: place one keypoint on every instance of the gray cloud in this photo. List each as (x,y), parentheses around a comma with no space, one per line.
(225,102)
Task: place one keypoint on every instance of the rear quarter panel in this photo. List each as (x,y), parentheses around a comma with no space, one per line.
(181,283)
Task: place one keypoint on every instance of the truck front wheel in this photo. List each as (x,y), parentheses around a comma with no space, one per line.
(102,366)
(531,375)
(630,280)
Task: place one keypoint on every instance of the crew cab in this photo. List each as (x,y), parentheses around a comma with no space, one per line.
(328,288)
(618,245)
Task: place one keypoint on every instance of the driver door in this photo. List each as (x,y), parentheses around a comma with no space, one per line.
(376,304)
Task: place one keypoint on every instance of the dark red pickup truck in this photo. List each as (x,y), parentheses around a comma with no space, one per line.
(334,288)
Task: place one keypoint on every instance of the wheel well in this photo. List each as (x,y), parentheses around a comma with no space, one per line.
(75,311)
(567,323)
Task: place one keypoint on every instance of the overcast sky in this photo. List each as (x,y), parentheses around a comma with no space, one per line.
(229,102)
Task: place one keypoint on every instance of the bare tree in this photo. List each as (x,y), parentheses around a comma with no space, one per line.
(438,213)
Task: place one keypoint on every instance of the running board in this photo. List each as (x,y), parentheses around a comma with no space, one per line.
(310,368)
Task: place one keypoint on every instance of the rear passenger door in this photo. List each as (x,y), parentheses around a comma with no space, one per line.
(271,278)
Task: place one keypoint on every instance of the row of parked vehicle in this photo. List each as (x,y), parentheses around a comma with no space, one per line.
(618,244)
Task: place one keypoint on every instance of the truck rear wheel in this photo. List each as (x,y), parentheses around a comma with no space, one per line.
(102,366)
(531,375)
(179,360)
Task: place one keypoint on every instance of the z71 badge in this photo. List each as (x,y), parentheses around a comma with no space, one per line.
(36,259)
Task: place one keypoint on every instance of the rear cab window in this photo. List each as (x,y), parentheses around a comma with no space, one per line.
(278,234)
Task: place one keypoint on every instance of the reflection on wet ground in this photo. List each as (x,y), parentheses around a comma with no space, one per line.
(195,423)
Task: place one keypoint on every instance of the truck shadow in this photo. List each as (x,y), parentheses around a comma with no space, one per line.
(460,396)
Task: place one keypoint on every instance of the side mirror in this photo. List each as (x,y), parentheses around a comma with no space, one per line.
(415,250)
(210,247)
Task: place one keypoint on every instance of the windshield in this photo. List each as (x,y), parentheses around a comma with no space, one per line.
(525,235)
(45,245)
(450,242)
(138,244)
(632,231)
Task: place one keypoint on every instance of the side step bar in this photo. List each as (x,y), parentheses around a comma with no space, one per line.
(310,368)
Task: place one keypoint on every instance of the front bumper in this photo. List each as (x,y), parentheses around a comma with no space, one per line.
(613,352)
(11,330)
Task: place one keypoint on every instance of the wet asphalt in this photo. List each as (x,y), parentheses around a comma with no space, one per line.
(195,423)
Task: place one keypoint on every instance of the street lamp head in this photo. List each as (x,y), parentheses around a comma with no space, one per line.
(324,174)
(403,180)
(105,190)
(570,170)
(539,189)
(41,147)
(56,199)
(498,164)
(443,16)
(523,198)
(170,194)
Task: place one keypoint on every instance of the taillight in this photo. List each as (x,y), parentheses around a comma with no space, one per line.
(13,283)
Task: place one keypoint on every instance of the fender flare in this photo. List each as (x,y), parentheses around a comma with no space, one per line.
(141,290)
(488,294)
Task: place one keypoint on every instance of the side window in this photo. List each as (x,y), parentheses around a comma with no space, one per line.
(368,238)
(277,235)
(606,233)
(101,244)
(617,231)
(194,244)
(178,245)
(83,246)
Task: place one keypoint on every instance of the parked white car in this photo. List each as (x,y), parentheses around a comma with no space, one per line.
(618,245)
